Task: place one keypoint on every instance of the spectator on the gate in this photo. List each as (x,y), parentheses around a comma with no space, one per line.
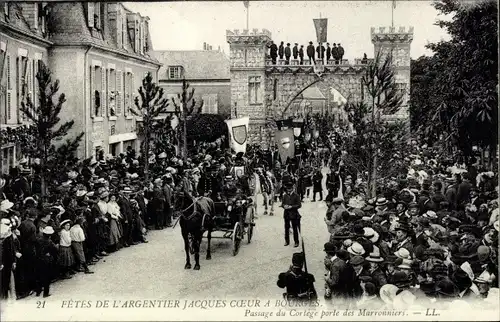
(320,50)
(341,51)
(295,51)
(281,50)
(335,53)
(365,59)
(288,54)
(301,54)
(310,53)
(328,52)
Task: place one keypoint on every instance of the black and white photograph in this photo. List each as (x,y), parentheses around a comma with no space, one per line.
(249,160)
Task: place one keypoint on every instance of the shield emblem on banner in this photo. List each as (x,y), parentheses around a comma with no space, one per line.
(240,134)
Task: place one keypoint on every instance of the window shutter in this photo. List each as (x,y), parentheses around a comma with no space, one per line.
(92,90)
(118,91)
(104,96)
(90,14)
(126,84)
(132,86)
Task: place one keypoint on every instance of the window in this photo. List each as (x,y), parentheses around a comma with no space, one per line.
(8,97)
(98,88)
(112,111)
(41,12)
(90,14)
(129,92)
(97,15)
(174,72)
(210,104)
(118,92)
(22,85)
(254,90)
(8,158)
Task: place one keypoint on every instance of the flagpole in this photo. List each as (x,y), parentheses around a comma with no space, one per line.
(248,9)
(392,12)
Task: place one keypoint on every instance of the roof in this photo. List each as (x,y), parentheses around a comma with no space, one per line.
(197,64)
(312,93)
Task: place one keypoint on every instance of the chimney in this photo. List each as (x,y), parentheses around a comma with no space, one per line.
(210,47)
(204,46)
(218,49)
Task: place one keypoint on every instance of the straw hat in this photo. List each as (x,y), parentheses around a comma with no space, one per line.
(5,205)
(48,230)
(403,253)
(371,234)
(64,222)
(375,256)
(356,249)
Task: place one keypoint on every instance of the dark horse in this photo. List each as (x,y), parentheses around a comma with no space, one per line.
(196,217)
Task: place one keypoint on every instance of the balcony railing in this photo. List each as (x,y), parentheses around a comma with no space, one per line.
(331,62)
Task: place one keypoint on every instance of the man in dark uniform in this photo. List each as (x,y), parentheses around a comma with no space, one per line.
(296,281)
(295,51)
(328,52)
(320,50)
(335,54)
(229,190)
(273,52)
(209,186)
(288,54)
(310,53)
(46,255)
(341,52)
(281,50)
(301,54)
(291,203)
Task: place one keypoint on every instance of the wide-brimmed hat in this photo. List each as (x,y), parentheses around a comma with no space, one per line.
(48,230)
(337,200)
(330,248)
(405,263)
(430,215)
(403,253)
(64,222)
(381,202)
(356,249)
(126,190)
(375,256)
(401,279)
(371,234)
(357,260)
(6,204)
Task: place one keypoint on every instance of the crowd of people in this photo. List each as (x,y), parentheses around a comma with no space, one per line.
(332,54)
(430,236)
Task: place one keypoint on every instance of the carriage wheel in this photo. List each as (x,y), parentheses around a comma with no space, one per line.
(249,232)
(237,233)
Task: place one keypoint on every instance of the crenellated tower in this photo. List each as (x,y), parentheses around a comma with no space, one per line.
(247,69)
(397,42)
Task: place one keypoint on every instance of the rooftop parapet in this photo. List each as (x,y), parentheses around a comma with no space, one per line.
(392,34)
(245,36)
(246,32)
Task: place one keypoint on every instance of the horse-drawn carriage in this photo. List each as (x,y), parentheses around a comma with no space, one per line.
(235,218)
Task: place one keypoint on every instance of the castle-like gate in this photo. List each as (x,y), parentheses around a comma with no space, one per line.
(265,91)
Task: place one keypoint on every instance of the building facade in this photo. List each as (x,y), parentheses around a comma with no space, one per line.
(267,92)
(207,71)
(100,52)
(24,42)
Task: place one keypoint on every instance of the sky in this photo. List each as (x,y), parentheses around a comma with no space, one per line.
(186,25)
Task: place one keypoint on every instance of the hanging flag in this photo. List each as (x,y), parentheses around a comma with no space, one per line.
(246,3)
(285,142)
(321,29)
(394,3)
(238,133)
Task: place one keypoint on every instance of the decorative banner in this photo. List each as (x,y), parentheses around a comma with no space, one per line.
(321,29)
(238,133)
(286,146)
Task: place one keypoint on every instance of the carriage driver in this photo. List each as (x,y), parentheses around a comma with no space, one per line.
(229,190)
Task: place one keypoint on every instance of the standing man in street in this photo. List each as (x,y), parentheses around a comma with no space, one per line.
(341,52)
(320,50)
(310,53)
(281,50)
(273,51)
(296,281)
(328,52)
(301,54)
(288,54)
(295,51)
(291,203)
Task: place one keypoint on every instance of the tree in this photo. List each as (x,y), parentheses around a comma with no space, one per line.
(47,130)
(460,96)
(185,110)
(150,108)
(373,141)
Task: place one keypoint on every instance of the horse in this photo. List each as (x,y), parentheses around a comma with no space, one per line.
(195,217)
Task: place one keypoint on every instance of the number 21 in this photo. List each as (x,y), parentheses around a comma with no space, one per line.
(40,304)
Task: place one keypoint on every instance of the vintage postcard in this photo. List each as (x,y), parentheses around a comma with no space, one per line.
(249,160)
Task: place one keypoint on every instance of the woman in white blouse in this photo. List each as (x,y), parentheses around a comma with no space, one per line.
(65,258)
(114,223)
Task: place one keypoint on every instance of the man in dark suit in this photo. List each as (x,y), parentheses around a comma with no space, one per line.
(288,54)
(320,50)
(291,203)
(295,51)
(26,264)
(301,54)
(328,52)
(335,53)
(281,50)
(273,52)
(341,278)
(297,282)
(341,52)
(310,53)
